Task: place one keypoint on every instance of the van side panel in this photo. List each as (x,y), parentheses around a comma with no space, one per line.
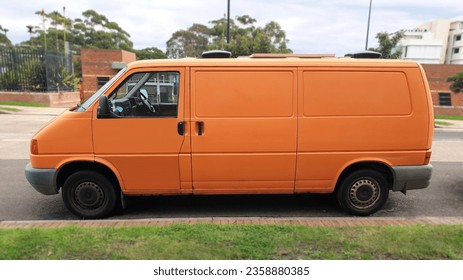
(350,115)
(360,93)
(247,142)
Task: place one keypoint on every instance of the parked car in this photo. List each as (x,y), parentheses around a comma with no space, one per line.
(358,128)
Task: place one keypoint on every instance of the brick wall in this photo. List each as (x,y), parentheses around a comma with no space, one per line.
(437,75)
(98,63)
(53,99)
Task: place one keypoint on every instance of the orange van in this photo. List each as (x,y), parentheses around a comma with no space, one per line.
(358,128)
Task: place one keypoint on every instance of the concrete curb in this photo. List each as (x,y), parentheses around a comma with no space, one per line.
(299,221)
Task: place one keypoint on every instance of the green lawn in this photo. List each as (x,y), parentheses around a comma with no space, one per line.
(442,123)
(208,241)
(9,109)
(458,118)
(27,104)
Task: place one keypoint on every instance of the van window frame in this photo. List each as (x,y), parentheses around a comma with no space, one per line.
(146,80)
(88,103)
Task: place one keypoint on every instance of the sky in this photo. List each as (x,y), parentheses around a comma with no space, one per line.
(312,26)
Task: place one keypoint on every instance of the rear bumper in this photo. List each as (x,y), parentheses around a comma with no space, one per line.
(43,180)
(411,177)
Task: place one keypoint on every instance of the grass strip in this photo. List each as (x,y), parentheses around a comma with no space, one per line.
(9,109)
(25,104)
(443,123)
(458,118)
(210,241)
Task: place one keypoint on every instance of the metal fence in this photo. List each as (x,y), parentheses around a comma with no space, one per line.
(26,69)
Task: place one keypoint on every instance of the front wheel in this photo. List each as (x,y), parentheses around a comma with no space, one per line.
(363,192)
(89,194)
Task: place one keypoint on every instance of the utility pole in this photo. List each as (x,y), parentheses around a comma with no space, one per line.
(228,22)
(42,13)
(64,28)
(368,26)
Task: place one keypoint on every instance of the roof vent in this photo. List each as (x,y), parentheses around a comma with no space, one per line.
(216,54)
(364,54)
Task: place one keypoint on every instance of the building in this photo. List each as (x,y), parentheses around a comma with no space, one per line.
(444,100)
(438,46)
(434,42)
(455,43)
(98,66)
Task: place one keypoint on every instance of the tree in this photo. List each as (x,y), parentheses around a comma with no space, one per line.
(96,31)
(277,37)
(51,38)
(188,43)
(245,38)
(93,31)
(150,53)
(388,43)
(457,82)
(4,41)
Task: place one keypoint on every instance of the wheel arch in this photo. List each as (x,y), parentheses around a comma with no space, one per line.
(378,166)
(71,167)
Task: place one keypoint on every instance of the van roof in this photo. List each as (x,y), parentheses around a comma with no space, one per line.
(271,62)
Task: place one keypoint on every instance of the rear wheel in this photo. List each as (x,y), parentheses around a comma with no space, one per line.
(363,192)
(89,194)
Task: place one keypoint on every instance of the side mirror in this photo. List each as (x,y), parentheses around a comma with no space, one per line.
(144,92)
(103,108)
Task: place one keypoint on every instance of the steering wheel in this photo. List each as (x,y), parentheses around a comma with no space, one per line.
(147,103)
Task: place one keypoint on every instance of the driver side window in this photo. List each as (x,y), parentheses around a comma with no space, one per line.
(147,94)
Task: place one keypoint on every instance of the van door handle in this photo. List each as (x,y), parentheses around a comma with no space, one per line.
(200,127)
(181,128)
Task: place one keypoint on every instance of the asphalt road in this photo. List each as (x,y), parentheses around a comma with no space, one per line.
(443,198)
(19,201)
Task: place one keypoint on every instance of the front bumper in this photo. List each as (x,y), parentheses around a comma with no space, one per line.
(43,180)
(411,177)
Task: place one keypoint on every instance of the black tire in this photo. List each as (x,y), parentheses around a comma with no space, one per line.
(363,192)
(89,195)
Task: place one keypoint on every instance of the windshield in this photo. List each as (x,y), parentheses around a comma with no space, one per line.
(99,92)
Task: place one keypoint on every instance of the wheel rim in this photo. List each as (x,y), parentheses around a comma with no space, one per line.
(89,195)
(364,193)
